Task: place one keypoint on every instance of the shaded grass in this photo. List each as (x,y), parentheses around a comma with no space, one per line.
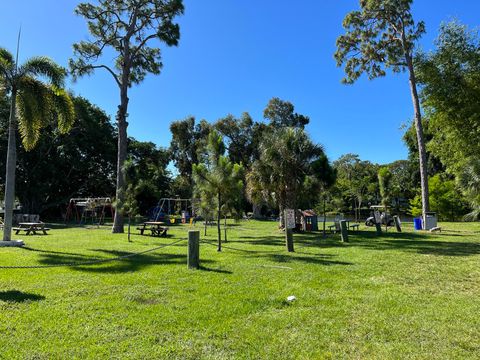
(408,295)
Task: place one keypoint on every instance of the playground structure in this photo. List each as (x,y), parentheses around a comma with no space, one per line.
(167,208)
(85,210)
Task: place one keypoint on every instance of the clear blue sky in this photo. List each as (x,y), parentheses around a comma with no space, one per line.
(234,56)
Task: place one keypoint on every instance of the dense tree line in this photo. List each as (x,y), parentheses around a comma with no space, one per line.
(274,159)
(81,163)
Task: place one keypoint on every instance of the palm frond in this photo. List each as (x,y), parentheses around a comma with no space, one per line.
(29,122)
(7,66)
(44,66)
(35,100)
(64,108)
(6,56)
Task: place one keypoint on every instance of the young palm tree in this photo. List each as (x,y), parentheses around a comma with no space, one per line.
(289,161)
(34,103)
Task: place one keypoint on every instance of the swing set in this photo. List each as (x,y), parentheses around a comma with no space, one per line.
(167,208)
(89,210)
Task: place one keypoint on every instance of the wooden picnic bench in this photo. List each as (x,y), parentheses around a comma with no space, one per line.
(355,227)
(157,228)
(31,228)
(336,226)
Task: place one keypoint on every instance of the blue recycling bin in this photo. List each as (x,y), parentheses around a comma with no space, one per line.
(417,223)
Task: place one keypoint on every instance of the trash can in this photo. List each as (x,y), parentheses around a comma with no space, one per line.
(417,223)
(430,220)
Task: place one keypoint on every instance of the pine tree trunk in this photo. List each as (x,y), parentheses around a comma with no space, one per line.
(225,228)
(10,169)
(121,157)
(324,216)
(420,138)
(219,218)
(129,224)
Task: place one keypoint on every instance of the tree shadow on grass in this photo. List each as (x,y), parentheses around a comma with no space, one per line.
(130,263)
(422,243)
(432,247)
(15,296)
(311,259)
(220,271)
(51,251)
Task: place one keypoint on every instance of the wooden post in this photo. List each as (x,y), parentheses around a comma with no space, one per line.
(344,230)
(289,239)
(193,261)
(396,219)
(289,223)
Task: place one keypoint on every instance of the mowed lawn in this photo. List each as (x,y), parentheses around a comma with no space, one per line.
(409,295)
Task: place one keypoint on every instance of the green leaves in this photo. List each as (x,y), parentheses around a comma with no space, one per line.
(287,156)
(450,79)
(126,27)
(377,38)
(281,114)
(44,66)
(38,104)
(218,182)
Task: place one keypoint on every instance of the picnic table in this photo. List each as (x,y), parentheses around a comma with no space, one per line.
(157,228)
(336,226)
(31,228)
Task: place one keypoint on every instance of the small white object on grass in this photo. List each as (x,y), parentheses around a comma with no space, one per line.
(291,298)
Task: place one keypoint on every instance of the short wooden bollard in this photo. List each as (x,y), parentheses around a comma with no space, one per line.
(398,225)
(344,230)
(289,240)
(193,260)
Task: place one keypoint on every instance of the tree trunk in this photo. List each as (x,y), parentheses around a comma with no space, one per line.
(324,216)
(121,157)
(10,169)
(256,212)
(419,130)
(225,228)
(129,224)
(219,218)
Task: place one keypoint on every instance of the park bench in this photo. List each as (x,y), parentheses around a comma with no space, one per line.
(354,227)
(335,227)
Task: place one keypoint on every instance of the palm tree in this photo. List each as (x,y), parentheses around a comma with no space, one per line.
(288,161)
(290,166)
(34,103)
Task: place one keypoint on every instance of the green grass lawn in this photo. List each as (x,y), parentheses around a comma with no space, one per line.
(409,295)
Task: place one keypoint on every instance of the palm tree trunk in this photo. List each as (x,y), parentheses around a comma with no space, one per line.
(10,169)
(121,157)
(219,218)
(420,138)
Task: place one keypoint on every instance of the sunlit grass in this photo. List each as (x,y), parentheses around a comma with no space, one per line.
(409,295)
